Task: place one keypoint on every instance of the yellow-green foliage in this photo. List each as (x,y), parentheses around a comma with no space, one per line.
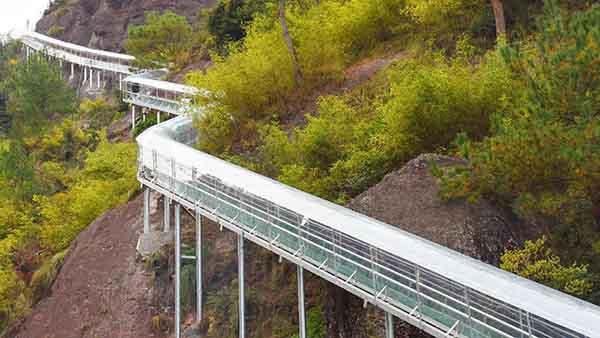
(13,301)
(443,19)
(256,80)
(42,279)
(354,141)
(98,110)
(107,179)
(56,30)
(537,262)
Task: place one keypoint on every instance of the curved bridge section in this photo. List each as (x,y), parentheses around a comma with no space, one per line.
(436,289)
(429,286)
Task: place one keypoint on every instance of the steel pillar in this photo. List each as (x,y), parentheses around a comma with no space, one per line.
(167,214)
(157,117)
(242,316)
(177,271)
(132,117)
(144,110)
(99,73)
(147,210)
(301,313)
(120,82)
(91,78)
(84,75)
(72,71)
(198,266)
(389,325)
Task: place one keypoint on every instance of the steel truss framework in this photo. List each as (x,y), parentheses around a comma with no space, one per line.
(418,293)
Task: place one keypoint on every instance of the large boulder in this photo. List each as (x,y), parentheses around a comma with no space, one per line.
(409,199)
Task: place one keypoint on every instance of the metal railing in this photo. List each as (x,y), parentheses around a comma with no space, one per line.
(76,59)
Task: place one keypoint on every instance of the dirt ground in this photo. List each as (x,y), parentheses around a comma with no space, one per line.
(101,290)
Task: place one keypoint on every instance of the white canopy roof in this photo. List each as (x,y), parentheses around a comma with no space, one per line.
(78,48)
(163,85)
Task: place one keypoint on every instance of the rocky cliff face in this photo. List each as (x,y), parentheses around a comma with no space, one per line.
(408,198)
(103,23)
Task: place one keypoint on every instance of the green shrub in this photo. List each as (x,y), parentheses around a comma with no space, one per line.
(544,157)
(56,30)
(354,141)
(44,277)
(540,264)
(255,81)
(165,38)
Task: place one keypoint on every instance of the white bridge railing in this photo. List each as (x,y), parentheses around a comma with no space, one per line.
(432,287)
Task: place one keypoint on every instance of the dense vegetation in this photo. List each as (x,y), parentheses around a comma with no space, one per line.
(518,99)
(56,176)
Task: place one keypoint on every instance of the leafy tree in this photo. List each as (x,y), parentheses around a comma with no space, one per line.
(544,157)
(298,78)
(37,92)
(228,21)
(537,262)
(165,38)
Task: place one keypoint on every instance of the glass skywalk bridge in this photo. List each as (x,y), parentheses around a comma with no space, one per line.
(429,286)
(433,288)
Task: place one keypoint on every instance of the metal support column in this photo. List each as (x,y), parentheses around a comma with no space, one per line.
(132,117)
(177,271)
(85,75)
(91,78)
(389,325)
(147,210)
(72,71)
(167,214)
(144,111)
(301,313)
(158,117)
(198,266)
(120,82)
(242,317)
(99,74)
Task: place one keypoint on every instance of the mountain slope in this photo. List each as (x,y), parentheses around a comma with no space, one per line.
(103,23)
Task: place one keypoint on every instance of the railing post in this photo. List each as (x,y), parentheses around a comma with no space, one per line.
(301,314)
(147,210)
(242,324)
(177,271)
(198,265)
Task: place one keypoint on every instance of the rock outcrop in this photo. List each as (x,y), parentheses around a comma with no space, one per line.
(409,199)
(103,24)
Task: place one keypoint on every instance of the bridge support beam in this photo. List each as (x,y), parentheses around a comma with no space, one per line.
(301,313)
(177,270)
(389,325)
(85,73)
(158,117)
(198,266)
(132,118)
(242,316)
(167,214)
(72,71)
(99,74)
(91,78)
(147,210)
